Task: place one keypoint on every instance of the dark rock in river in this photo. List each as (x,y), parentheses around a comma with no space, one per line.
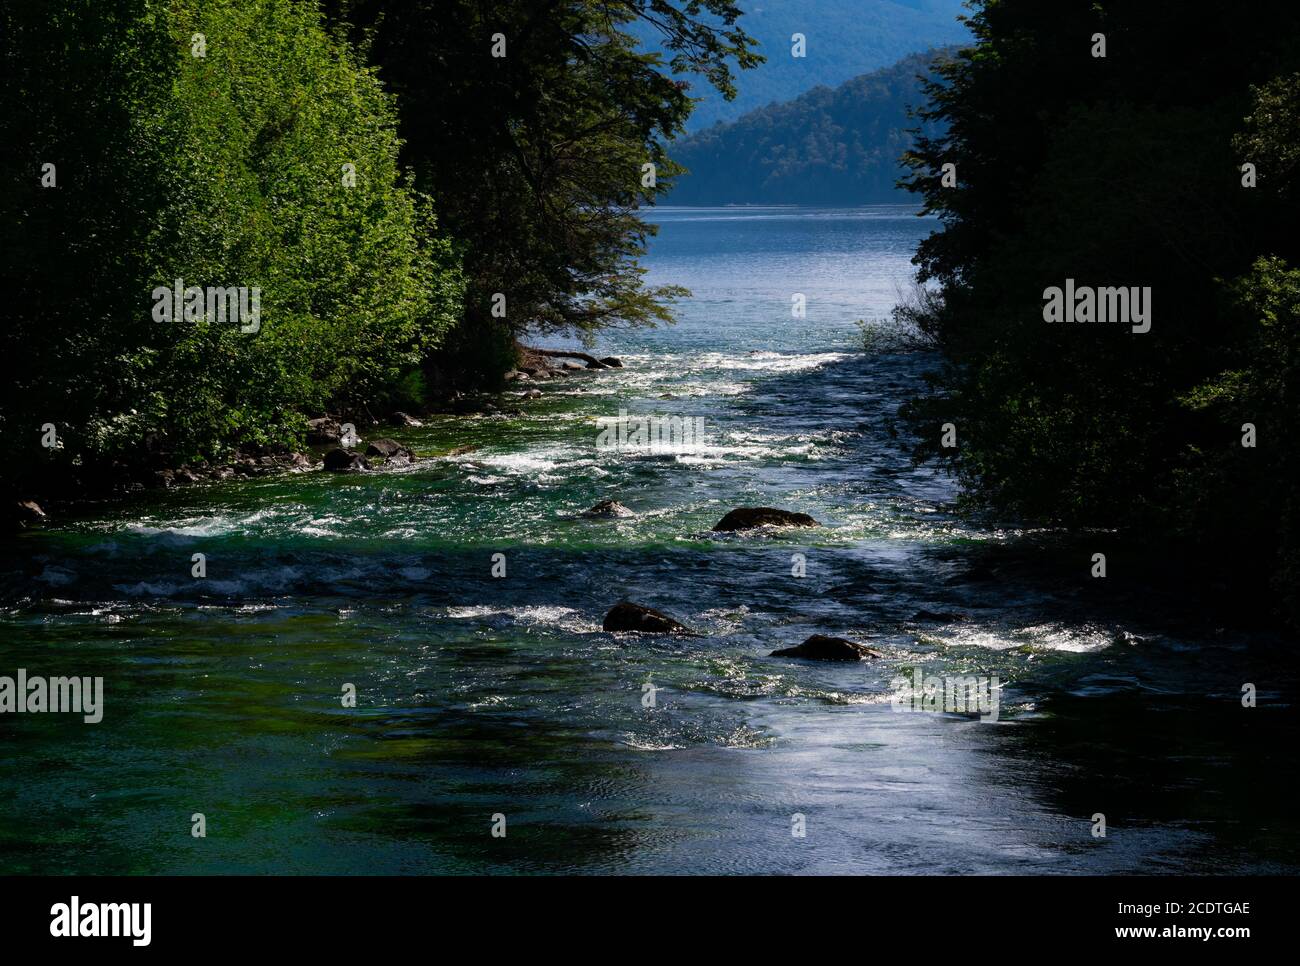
(748,517)
(345,461)
(820,647)
(400,418)
(612,362)
(607,509)
(626,616)
(388,449)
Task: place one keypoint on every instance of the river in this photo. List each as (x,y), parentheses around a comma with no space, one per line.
(481,696)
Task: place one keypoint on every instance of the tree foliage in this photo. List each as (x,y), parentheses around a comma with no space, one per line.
(221,170)
(1122,170)
(532,125)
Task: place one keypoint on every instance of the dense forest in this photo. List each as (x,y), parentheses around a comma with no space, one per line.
(828,147)
(391,193)
(1116,144)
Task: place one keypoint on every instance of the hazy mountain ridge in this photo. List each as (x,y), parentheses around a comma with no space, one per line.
(832,146)
(843,39)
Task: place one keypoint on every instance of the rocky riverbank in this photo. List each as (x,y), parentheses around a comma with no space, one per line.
(336,442)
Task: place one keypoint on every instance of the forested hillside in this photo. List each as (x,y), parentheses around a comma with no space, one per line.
(838,146)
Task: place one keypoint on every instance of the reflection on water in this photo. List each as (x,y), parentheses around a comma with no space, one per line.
(479,696)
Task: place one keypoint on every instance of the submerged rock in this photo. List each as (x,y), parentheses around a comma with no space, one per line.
(345,461)
(820,647)
(626,616)
(941,616)
(749,517)
(975,575)
(607,509)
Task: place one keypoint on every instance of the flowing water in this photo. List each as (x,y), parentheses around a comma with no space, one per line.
(480,695)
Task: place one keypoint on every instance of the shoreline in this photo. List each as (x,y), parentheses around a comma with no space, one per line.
(36,506)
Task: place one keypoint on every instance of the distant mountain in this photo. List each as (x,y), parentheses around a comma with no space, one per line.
(828,147)
(844,38)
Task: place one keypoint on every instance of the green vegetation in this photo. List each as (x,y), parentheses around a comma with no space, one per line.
(534,147)
(220,170)
(246,144)
(828,147)
(1122,170)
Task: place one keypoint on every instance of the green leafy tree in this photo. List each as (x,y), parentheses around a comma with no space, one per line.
(202,140)
(532,123)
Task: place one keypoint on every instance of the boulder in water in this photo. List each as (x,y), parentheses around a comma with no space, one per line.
(613,362)
(626,616)
(749,517)
(387,448)
(821,647)
(607,509)
(400,418)
(345,461)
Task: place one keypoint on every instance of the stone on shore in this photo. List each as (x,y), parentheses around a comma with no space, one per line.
(626,616)
(323,431)
(749,517)
(27,511)
(820,647)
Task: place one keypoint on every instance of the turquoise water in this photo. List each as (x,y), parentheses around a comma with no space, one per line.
(480,696)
